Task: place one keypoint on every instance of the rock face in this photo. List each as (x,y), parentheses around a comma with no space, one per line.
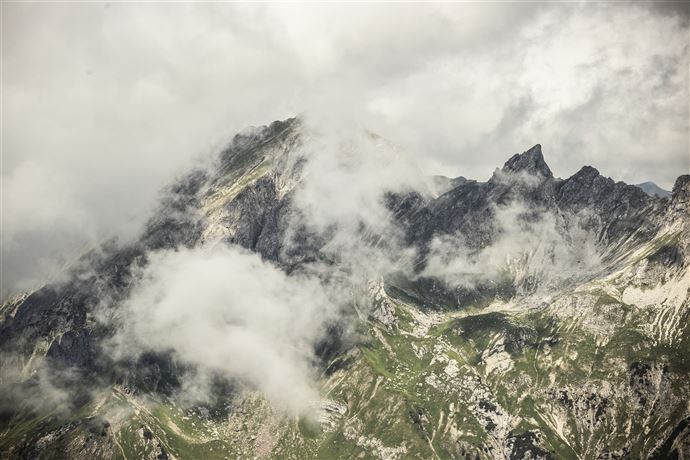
(501,334)
(531,162)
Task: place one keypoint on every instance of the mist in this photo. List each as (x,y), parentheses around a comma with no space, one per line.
(225,312)
(531,245)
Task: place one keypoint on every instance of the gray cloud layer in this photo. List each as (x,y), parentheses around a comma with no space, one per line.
(104,103)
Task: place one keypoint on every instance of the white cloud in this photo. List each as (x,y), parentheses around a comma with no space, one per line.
(529,245)
(227,312)
(347,173)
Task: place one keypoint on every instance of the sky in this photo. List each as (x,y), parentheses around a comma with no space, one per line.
(104,103)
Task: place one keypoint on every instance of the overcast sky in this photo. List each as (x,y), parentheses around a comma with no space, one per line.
(102,104)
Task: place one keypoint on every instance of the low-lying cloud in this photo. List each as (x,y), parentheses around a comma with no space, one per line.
(535,250)
(38,386)
(226,312)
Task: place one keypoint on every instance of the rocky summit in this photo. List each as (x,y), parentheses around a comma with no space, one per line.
(521,317)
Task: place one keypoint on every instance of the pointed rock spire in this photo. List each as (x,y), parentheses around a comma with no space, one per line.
(531,161)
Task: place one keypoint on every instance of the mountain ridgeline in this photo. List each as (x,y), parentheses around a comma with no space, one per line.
(523,317)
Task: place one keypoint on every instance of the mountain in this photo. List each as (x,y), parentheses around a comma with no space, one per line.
(651,189)
(442,184)
(526,316)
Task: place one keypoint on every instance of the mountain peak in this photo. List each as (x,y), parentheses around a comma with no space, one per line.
(681,189)
(651,189)
(531,161)
(587,171)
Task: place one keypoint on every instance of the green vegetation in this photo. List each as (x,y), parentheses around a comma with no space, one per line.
(441,385)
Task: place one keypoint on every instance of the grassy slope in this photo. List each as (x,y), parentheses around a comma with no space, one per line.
(411,393)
